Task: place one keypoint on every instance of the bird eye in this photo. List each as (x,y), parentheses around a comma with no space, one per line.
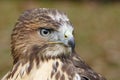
(45,32)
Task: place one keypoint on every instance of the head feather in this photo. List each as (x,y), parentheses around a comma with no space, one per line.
(24,36)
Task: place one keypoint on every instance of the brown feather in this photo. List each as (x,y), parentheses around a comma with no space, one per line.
(40,58)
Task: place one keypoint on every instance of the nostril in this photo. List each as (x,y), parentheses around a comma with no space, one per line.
(65,36)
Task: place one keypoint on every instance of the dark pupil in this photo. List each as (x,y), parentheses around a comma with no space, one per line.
(45,31)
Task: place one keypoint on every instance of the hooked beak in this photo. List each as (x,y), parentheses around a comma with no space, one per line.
(69,39)
(71,43)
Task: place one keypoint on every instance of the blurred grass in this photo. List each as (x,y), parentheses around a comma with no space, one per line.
(97,32)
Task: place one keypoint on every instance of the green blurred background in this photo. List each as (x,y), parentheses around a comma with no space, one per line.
(97,31)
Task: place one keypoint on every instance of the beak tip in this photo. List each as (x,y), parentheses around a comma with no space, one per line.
(71,43)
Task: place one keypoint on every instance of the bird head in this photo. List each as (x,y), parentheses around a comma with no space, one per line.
(43,32)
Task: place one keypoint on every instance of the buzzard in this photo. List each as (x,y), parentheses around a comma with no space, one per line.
(43,48)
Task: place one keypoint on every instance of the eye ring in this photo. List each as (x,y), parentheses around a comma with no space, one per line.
(45,32)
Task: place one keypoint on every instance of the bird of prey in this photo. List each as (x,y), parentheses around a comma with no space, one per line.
(43,48)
